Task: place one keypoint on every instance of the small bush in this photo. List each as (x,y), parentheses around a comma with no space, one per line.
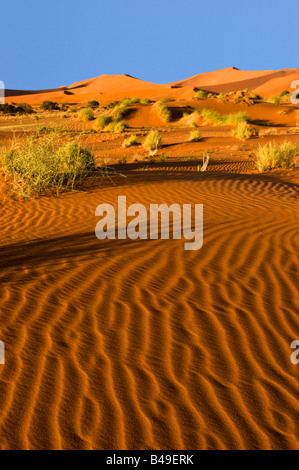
(7,109)
(41,164)
(163,111)
(275,156)
(152,141)
(274,99)
(49,106)
(24,108)
(201,94)
(85,114)
(243,131)
(119,112)
(223,119)
(195,136)
(93,104)
(284,93)
(117,127)
(102,121)
(132,140)
(130,101)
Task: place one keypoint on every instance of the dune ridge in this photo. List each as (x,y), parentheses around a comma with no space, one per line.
(107,88)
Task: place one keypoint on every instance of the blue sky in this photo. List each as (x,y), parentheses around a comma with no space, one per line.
(55,43)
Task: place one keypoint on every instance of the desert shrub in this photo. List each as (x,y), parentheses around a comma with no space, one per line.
(42,164)
(284,93)
(167,100)
(24,108)
(86,114)
(163,111)
(201,94)
(7,109)
(223,119)
(93,104)
(130,101)
(119,112)
(243,131)
(221,96)
(116,126)
(152,141)
(102,121)
(255,96)
(195,136)
(132,140)
(112,104)
(274,99)
(145,101)
(49,106)
(273,155)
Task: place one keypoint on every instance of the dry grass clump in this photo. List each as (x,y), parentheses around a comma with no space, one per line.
(244,131)
(152,141)
(223,119)
(273,155)
(101,122)
(195,136)
(201,94)
(163,111)
(41,164)
(132,140)
(85,114)
(116,126)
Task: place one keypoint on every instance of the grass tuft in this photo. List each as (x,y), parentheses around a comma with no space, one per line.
(152,141)
(40,164)
(273,155)
(132,140)
(195,136)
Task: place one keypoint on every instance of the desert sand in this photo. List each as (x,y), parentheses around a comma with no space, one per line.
(122,344)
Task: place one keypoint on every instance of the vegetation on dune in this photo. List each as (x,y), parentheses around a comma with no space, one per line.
(41,164)
(116,126)
(195,136)
(201,94)
(152,141)
(274,99)
(86,114)
(273,155)
(163,111)
(93,104)
(101,122)
(132,140)
(284,93)
(244,131)
(119,112)
(49,106)
(223,119)
(21,108)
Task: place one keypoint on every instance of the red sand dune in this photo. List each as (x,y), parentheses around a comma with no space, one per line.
(108,88)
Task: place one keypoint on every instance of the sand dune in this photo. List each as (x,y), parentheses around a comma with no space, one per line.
(140,344)
(266,82)
(107,88)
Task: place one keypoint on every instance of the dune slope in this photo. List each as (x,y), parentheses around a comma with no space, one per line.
(140,344)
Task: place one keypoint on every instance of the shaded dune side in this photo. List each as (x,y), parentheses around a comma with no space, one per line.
(142,345)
